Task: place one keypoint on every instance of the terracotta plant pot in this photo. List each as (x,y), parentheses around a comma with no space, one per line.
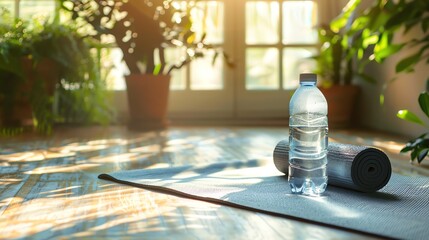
(147,101)
(46,69)
(21,113)
(341,104)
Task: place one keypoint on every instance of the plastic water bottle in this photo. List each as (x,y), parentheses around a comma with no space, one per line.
(308,138)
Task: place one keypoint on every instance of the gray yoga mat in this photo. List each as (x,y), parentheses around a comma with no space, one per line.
(399,210)
(360,168)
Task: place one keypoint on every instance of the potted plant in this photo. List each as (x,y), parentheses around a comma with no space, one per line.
(22,75)
(38,58)
(10,66)
(377,27)
(336,67)
(144,30)
(81,92)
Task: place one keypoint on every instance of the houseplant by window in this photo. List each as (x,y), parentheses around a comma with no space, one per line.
(377,27)
(374,32)
(26,80)
(336,67)
(39,57)
(144,31)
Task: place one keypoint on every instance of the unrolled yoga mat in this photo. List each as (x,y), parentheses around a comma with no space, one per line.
(399,210)
(360,168)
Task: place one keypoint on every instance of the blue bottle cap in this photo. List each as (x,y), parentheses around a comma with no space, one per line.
(307,77)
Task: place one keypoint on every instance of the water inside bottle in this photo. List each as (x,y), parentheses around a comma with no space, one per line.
(307,157)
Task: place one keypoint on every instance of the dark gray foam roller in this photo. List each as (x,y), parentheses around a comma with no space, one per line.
(360,168)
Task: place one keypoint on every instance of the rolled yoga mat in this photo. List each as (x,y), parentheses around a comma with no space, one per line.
(360,168)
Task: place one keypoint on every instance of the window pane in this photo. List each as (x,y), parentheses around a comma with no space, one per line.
(299,21)
(178,76)
(262,19)
(205,75)
(8,4)
(296,61)
(262,68)
(113,69)
(31,8)
(208,18)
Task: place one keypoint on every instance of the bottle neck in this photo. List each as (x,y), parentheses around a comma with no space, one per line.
(307,83)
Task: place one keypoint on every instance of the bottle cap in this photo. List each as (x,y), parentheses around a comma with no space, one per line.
(307,77)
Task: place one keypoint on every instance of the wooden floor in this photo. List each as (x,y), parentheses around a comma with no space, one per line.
(49,186)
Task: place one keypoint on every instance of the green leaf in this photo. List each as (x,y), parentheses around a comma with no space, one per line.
(381,99)
(419,148)
(385,40)
(360,54)
(359,23)
(423,135)
(399,18)
(424,102)
(414,143)
(422,154)
(406,149)
(341,21)
(419,141)
(407,63)
(409,116)
(414,154)
(385,52)
(379,18)
(157,69)
(373,39)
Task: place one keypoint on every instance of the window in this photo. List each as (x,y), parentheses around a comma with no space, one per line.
(29,8)
(280,39)
(8,4)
